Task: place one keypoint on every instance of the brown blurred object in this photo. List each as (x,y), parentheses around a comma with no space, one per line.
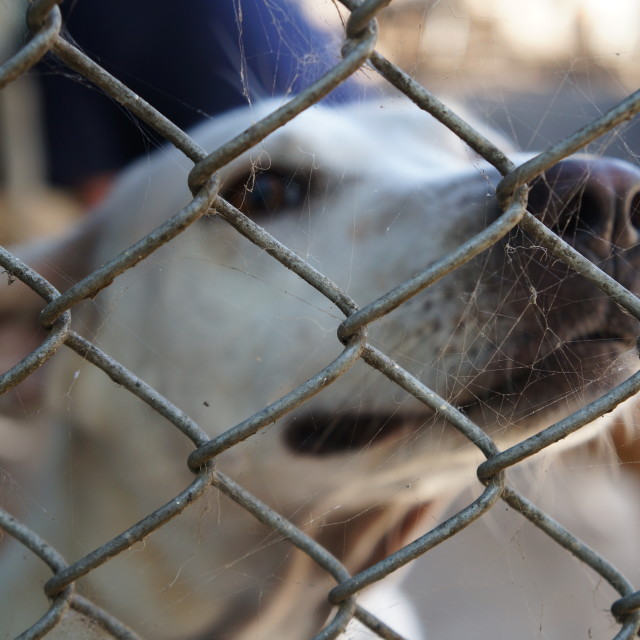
(37,213)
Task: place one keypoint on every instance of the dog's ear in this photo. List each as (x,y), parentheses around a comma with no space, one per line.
(62,262)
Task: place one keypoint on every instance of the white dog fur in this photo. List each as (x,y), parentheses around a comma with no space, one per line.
(222,329)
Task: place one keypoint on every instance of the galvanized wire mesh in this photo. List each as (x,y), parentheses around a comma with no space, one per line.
(359,49)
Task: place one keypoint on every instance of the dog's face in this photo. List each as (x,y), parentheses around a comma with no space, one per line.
(369,195)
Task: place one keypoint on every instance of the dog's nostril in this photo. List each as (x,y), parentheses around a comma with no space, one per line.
(634,211)
(593,203)
(627,227)
(566,199)
(581,214)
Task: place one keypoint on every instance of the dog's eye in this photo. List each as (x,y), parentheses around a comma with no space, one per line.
(266,192)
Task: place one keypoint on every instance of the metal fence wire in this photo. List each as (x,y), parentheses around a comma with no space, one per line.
(44,20)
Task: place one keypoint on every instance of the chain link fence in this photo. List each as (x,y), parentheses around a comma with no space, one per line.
(45,22)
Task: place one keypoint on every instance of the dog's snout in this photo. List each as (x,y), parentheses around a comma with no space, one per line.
(593,203)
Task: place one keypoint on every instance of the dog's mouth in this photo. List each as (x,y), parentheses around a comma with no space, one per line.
(557,384)
(324,432)
(569,376)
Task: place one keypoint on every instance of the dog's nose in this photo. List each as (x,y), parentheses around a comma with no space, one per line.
(593,203)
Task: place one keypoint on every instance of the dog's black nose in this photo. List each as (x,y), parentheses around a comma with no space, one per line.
(593,203)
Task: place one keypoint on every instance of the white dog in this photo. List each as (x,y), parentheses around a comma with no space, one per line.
(368,194)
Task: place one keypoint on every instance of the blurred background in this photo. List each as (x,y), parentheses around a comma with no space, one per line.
(536,70)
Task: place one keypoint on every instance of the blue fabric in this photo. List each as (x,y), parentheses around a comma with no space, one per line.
(187,58)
